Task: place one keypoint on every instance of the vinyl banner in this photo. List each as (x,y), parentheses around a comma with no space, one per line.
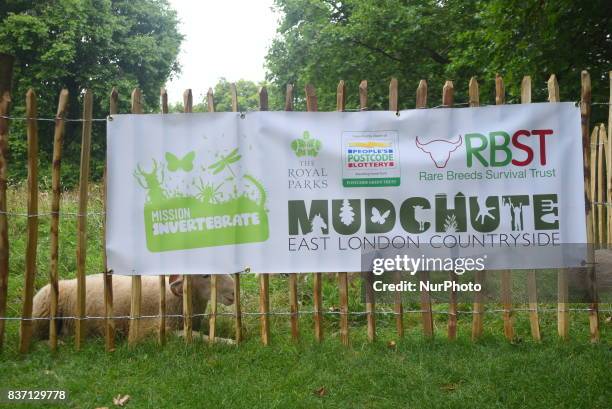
(310,192)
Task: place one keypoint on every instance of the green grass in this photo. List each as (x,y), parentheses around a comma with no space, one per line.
(416,373)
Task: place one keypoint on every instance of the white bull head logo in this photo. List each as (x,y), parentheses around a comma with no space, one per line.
(439,150)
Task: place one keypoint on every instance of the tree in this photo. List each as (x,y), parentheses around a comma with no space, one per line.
(248,96)
(76,44)
(323,41)
(347,215)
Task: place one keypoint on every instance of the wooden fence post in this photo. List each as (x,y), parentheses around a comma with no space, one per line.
(136,296)
(603,142)
(25,329)
(427,316)
(448,96)
(343,276)
(264,279)
(370,302)
(109,322)
(506,275)
(82,219)
(210,100)
(478,308)
(161,333)
(188,279)
(532,292)
(312,106)
(393,95)
(608,170)
(237,311)
(293,278)
(212,320)
(585,114)
(234,94)
(289,98)
(562,311)
(398,307)
(55,208)
(363,95)
(6,75)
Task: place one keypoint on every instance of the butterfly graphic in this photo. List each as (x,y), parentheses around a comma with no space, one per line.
(379,218)
(186,163)
(225,161)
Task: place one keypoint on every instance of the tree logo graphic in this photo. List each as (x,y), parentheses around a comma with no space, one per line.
(306,146)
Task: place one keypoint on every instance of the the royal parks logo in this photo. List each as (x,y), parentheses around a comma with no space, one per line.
(306,173)
(192,204)
(306,146)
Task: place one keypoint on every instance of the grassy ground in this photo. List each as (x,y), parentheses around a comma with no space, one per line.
(414,373)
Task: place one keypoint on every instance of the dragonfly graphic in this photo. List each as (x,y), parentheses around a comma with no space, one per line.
(225,162)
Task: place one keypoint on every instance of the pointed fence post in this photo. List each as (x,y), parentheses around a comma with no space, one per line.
(585,114)
(6,77)
(343,276)
(136,296)
(427,316)
(478,308)
(237,306)
(264,279)
(212,320)
(532,292)
(398,307)
(82,219)
(188,279)
(25,328)
(289,98)
(55,208)
(312,106)
(161,331)
(448,98)
(370,302)
(562,286)
(293,277)
(506,275)
(109,322)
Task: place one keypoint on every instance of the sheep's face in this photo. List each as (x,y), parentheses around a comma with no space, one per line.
(201,287)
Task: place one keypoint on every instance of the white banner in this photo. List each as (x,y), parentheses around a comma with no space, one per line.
(305,192)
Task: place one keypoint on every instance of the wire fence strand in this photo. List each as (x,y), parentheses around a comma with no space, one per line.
(304,312)
(364,109)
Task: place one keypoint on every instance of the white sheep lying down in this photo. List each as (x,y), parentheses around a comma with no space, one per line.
(94,301)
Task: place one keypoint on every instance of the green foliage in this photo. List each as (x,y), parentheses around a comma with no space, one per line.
(248,97)
(76,44)
(323,41)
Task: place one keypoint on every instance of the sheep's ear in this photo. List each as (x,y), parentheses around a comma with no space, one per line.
(176,285)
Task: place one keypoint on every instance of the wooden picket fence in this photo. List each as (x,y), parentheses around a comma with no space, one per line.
(598,191)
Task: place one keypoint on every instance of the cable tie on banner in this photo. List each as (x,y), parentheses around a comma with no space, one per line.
(242,115)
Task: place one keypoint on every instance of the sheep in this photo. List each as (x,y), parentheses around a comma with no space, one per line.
(94,299)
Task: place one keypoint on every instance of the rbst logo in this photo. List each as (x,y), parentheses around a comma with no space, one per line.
(439,150)
(500,149)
